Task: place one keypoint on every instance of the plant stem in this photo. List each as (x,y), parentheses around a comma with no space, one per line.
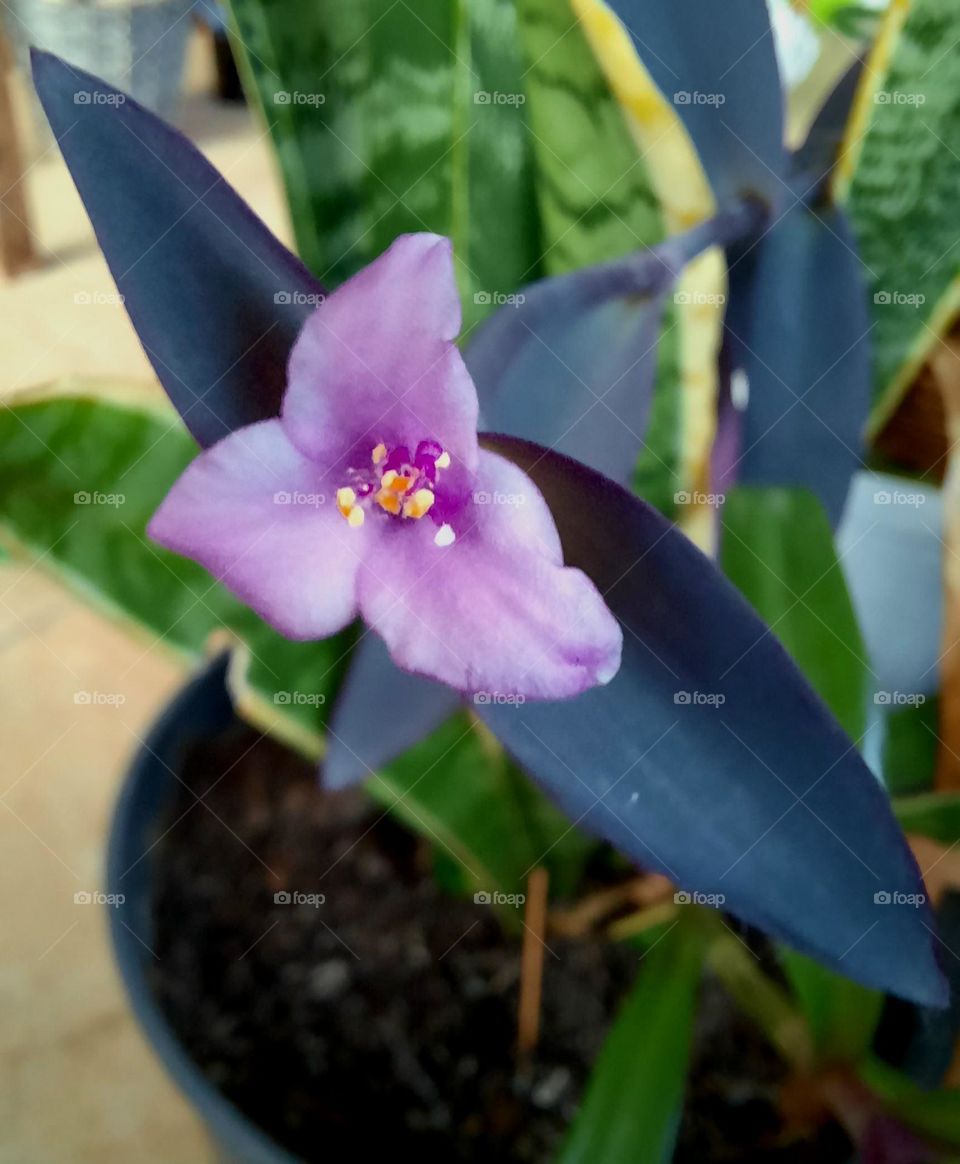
(531,963)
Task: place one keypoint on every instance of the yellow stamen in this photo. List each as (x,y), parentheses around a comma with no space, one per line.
(355,517)
(387,500)
(346,498)
(379,453)
(443,461)
(418,504)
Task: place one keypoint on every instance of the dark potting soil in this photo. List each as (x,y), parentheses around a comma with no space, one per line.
(323,981)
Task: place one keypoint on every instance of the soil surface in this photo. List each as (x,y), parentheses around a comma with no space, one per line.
(324,981)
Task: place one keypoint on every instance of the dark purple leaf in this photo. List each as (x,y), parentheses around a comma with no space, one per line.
(216,300)
(380,712)
(709,757)
(571,364)
(811,165)
(716,63)
(799,331)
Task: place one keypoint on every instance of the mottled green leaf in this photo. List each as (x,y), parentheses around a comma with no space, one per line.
(899,176)
(632,1107)
(595,194)
(778,549)
(392,117)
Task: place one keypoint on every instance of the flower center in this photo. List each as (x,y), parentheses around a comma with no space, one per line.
(401,485)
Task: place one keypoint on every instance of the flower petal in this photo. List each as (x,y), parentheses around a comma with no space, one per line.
(495,612)
(376,362)
(263,520)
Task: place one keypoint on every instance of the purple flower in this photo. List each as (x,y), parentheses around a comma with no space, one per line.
(370,495)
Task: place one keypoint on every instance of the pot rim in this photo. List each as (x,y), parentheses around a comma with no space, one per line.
(198,709)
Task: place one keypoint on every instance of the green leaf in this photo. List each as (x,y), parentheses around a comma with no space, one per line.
(910,742)
(598,202)
(633,1102)
(595,194)
(460,790)
(389,118)
(932,1113)
(899,174)
(935,815)
(841,1015)
(778,549)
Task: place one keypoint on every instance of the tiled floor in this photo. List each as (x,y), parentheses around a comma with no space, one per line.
(79,1083)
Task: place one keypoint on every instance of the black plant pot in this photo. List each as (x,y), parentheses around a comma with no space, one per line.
(201,709)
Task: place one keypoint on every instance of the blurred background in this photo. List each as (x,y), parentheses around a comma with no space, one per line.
(79,1081)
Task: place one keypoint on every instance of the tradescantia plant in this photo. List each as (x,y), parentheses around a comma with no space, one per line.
(340,473)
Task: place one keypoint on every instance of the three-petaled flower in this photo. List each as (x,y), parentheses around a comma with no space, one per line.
(446,550)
